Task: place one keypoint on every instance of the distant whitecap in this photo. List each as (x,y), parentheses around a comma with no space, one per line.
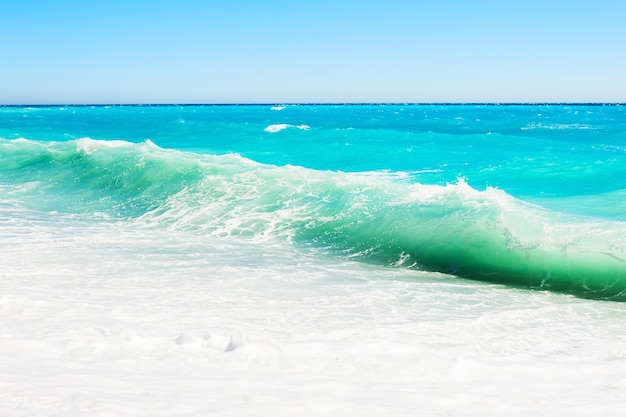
(276,128)
(282,126)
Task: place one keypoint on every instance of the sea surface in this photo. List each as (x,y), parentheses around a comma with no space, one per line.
(313,260)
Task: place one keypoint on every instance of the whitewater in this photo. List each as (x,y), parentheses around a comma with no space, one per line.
(444,260)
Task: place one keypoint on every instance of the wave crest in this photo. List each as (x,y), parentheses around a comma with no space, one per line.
(454,228)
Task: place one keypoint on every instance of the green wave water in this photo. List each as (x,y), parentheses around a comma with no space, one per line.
(382,217)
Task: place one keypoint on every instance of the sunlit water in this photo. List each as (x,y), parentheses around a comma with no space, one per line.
(312,272)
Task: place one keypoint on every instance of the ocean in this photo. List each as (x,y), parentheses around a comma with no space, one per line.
(270,260)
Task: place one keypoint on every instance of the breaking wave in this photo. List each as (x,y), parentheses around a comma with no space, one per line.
(372,217)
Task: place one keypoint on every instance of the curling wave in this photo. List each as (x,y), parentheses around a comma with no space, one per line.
(374,217)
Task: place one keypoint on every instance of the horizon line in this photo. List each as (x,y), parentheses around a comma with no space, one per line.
(372,103)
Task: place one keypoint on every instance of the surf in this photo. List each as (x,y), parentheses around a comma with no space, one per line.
(374,217)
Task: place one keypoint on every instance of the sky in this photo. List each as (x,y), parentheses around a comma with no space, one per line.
(297,51)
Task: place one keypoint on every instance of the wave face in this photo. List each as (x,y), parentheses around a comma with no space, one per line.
(382,217)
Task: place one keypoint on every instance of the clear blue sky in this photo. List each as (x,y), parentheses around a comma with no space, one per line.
(273,51)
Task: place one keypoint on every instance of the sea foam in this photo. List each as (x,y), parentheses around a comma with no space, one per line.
(282,126)
(224,270)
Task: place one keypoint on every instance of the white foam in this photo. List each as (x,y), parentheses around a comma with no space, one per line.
(88,145)
(281,126)
(276,128)
(277,108)
(557,126)
(106,318)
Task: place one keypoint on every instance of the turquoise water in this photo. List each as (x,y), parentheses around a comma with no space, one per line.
(530,196)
